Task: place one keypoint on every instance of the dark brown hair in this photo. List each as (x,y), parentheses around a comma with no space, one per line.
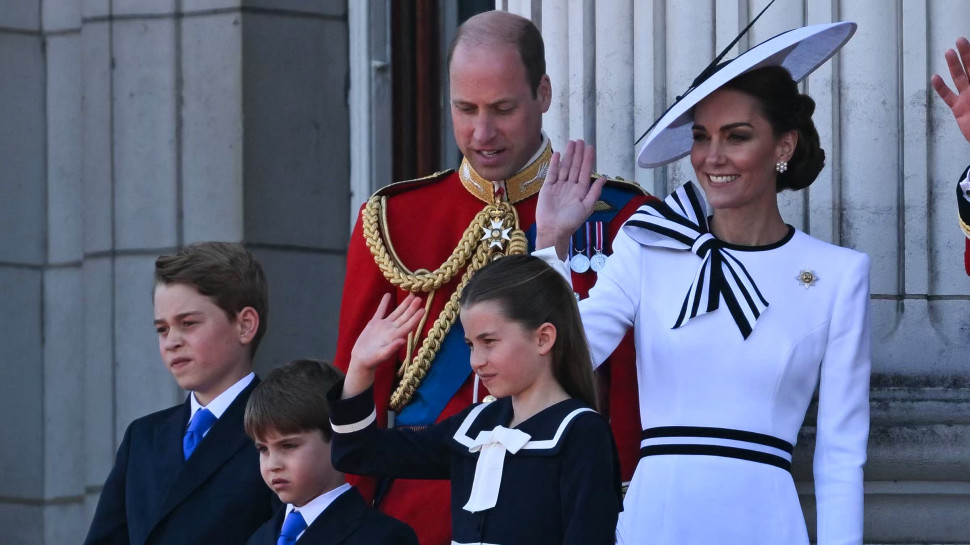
(500,27)
(223,271)
(292,399)
(786,109)
(531,293)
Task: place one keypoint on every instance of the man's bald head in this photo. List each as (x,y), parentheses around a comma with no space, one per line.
(502,28)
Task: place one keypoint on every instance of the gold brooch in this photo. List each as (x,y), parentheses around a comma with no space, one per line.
(807,278)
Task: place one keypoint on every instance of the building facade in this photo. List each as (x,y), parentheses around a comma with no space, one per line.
(129,128)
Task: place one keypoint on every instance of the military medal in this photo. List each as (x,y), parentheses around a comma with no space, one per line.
(598,261)
(579,262)
(496,234)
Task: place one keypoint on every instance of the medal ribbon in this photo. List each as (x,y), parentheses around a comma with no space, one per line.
(680,223)
(577,236)
(598,246)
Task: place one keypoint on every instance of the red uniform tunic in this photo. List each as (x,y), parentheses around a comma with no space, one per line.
(423,223)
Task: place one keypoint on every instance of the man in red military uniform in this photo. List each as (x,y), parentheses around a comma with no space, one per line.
(427,236)
(958,62)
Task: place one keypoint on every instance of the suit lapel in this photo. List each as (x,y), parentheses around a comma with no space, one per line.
(271,535)
(338,520)
(225,438)
(168,448)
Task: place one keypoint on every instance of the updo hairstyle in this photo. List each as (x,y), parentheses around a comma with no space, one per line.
(786,109)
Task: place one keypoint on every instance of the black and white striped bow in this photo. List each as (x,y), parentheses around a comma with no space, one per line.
(680,223)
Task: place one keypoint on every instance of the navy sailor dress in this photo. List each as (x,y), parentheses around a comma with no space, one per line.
(560,486)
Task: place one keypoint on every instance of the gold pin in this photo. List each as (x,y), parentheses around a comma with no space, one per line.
(807,278)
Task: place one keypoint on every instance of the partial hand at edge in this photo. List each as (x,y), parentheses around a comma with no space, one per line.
(958,102)
(567,196)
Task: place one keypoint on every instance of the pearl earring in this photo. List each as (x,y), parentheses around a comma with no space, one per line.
(781,167)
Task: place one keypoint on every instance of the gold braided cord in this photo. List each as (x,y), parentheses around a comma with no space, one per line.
(386,236)
(415,335)
(419,366)
(965,227)
(472,253)
(394,270)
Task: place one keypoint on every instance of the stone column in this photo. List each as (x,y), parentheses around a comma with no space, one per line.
(42,488)
(129,128)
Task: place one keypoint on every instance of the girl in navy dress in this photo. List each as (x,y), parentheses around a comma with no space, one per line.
(537,465)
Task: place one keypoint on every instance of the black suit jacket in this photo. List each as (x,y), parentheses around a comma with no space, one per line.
(346,521)
(154,497)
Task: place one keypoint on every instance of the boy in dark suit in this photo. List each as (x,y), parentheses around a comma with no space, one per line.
(289,419)
(188,475)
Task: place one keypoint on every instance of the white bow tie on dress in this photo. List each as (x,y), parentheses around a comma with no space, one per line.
(493,445)
(680,223)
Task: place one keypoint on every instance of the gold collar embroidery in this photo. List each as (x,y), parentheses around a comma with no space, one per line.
(520,186)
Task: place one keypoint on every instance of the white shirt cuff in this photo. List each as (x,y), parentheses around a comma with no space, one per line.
(551,258)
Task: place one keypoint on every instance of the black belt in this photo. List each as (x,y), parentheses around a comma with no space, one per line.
(712,442)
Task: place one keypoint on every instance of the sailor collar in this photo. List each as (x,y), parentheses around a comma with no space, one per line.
(519,187)
(545,428)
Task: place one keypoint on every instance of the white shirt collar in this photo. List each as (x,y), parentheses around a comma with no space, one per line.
(317,505)
(223,400)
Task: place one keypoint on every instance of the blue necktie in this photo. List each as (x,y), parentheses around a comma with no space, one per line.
(201,422)
(292,526)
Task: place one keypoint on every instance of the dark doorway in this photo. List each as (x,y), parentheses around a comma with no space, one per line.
(419,76)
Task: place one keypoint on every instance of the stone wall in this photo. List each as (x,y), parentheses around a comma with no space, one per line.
(129,128)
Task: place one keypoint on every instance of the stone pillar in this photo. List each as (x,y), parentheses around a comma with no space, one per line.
(296,168)
(129,128)
(42,488)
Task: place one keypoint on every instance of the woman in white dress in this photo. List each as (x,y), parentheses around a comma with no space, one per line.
(737,317)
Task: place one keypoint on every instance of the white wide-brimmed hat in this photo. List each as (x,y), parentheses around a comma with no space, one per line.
(800,50)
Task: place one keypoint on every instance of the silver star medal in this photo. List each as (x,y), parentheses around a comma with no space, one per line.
(495,234)
(807,278)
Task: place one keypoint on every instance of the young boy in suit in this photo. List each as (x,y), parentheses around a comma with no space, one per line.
(289,419)
(188,474)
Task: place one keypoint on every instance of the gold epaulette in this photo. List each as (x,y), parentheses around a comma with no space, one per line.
(629,185)
(493,232)
(397,187)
